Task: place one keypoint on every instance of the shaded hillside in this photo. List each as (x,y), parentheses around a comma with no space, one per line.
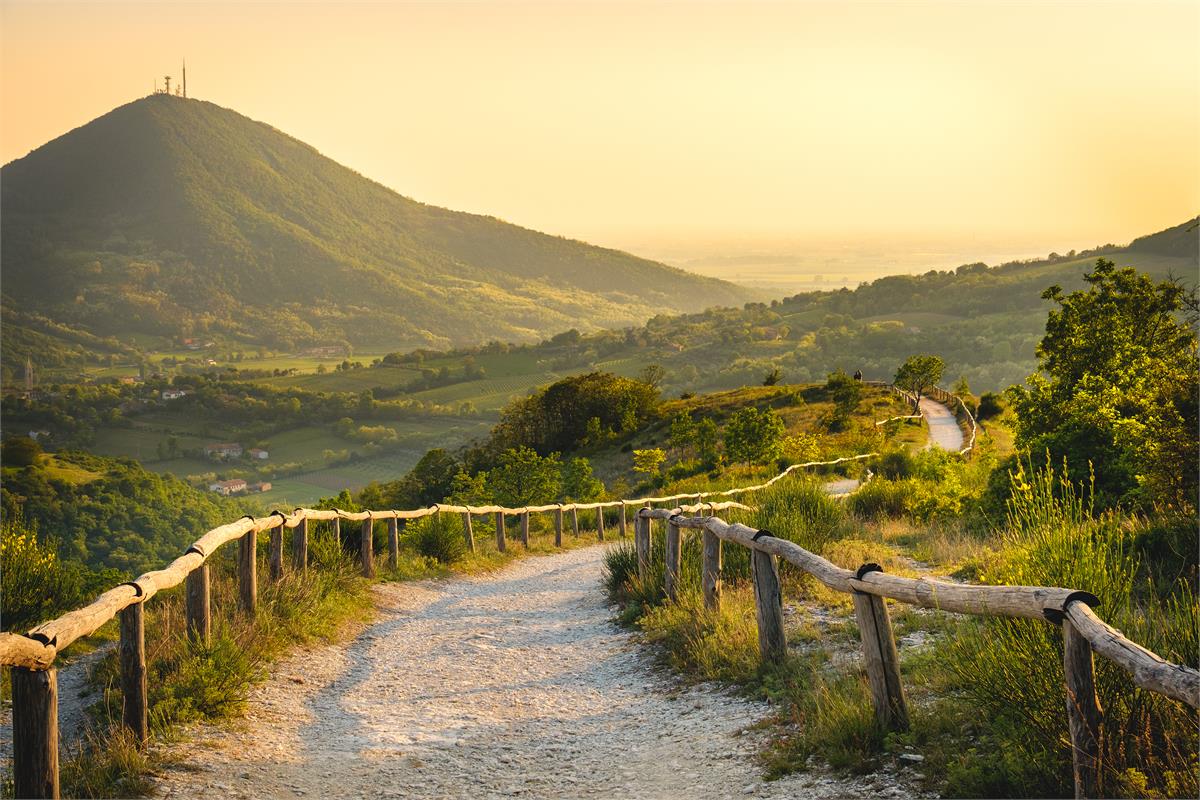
(176,218)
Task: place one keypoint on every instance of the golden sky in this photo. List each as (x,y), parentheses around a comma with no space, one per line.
(1067,122)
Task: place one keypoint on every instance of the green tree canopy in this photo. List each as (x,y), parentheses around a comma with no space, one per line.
(919,374)
(754,436)
(521,477)
(1117,387)
(578,482)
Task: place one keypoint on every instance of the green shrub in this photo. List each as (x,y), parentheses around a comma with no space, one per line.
(801,511)
(882,498)
(895,465)
(440,537)
(1005,666)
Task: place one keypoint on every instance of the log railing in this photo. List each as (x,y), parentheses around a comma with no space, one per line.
(1084,633)
(32,656)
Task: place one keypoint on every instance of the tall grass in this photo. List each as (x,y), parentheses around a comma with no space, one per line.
(1010,668)
(191,681)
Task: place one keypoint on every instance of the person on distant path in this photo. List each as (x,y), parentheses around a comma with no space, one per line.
(858,374)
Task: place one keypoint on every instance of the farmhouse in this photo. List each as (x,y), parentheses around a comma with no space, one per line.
(235,486)
(224,450)
(259,453)
(173,394)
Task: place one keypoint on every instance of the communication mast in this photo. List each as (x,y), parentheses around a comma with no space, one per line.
(167,79)
(185,77)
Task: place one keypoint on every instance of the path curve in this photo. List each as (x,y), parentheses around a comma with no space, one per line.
(515,683)
(944,431)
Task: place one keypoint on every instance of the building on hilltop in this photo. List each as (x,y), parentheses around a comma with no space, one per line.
(226,488)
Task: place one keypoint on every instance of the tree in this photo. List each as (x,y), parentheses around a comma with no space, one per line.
(430,481)
(1117,386)
(578,482)
(648,462)
(652,375)
(844,391)
(707,436)
(19,451)
(772,377)
(683,433)
(754,436)
(521,477)
(918,374)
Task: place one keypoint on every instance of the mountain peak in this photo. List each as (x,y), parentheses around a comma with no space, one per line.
(169,216)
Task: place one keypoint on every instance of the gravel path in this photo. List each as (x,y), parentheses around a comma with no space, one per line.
(510,684)
(943,427)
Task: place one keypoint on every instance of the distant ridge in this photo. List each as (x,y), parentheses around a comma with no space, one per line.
(172,217)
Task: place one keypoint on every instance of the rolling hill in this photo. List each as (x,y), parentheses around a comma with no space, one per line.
(171,217)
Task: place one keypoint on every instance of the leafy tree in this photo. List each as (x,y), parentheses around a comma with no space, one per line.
(682,434)
(652,375)
(19,451)
(754,436)
(648,462)
(431,480)
(707,437)
(772,377)
(521,477)
(918,374)
(844,391)
(1117,386)
(578,482)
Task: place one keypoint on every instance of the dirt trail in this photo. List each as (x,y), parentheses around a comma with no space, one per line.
(943,426)
(511,684)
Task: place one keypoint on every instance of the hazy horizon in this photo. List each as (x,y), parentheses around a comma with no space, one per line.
(950,132)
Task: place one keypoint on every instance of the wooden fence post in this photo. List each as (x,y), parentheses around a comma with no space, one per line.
(133,671)
(337,530)
(600,524)
(621,524)
(574,521)
(35,732)
(500,531)
(711,571)
(198,608)
(368,547)
(641,534)
(768,606)
(393,542)
(525,529)
(300,546)
(468,531)
(248,572)
(1083,711)
(882,660)
(275,562)
(558,525)
(673,555)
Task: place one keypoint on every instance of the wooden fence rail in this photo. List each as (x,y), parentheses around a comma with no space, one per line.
(1083,631)
(31,656)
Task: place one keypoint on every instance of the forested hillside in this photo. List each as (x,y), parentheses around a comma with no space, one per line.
(170,218)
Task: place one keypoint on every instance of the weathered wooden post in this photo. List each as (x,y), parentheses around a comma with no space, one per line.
(600,523)
(574,520)
(882,660)
(468,531)
(1083,711)
(197,604)
(300,546)
(35,732)
(525,529)
(133,671)
(621,521)
(248,572)
(641,533)
(275,561)
(368,547)
(500,545)
(393,542)
(711,570)
(673,562)
(558,525)
(768,606)
(337,530)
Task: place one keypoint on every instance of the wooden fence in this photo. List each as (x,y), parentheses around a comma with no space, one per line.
(31,656)
(1083,631)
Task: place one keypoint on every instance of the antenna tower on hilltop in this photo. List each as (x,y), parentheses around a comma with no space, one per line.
(185,77)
